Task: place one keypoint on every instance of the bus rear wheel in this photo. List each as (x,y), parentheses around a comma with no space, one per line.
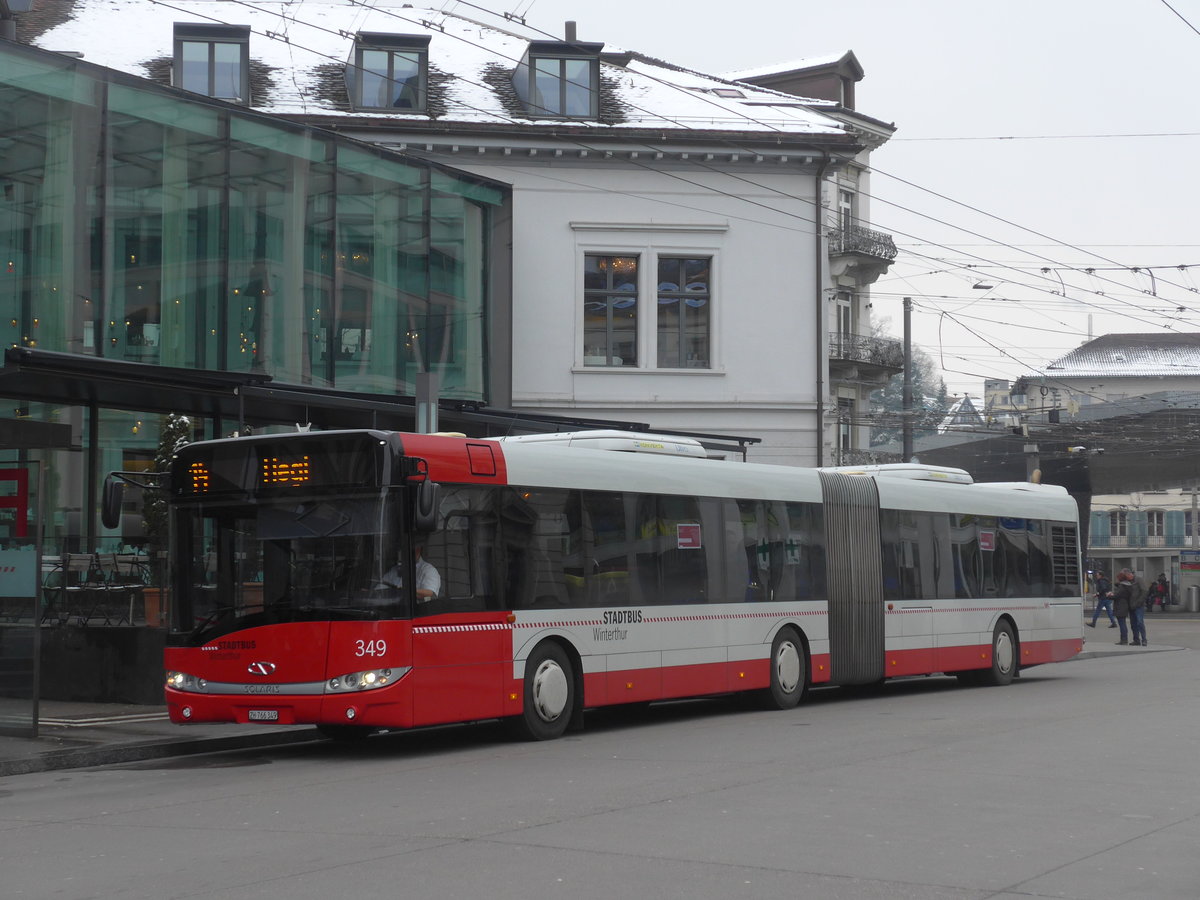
(1004,660)
(789,671)
(549,694)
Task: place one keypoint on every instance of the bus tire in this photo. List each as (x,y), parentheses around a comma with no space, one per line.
(549,694)
(1004,656)
(789,671)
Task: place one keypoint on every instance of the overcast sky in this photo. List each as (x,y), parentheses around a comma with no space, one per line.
(967,73)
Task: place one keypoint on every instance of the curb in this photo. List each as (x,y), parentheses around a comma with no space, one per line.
(1125,651)
(86,757)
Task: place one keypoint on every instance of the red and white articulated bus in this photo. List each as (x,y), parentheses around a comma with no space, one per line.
(568,575)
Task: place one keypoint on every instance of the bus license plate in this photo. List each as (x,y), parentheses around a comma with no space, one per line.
(264,715)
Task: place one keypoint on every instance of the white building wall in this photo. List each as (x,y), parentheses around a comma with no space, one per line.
(759,230)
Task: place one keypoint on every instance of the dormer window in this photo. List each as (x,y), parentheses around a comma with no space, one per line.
(389,71)
(560,79)
(213,60)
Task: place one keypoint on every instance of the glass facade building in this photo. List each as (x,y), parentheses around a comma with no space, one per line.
(140,224)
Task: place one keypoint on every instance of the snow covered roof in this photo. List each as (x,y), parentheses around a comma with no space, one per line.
(962,414)
(795,65)
(299,50)
(1132,356)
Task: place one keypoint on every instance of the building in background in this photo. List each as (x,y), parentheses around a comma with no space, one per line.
(684,246)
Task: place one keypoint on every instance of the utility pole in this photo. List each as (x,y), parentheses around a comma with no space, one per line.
(907,398)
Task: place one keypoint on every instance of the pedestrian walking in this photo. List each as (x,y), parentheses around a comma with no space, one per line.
(1103,601)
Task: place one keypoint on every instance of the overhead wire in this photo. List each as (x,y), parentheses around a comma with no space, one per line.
(766,188)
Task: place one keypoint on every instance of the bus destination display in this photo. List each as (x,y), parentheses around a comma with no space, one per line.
(280,472)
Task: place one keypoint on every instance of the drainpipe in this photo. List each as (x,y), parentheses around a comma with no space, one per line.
(819,269)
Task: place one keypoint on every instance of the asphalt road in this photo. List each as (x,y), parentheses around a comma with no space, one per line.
(1081,780)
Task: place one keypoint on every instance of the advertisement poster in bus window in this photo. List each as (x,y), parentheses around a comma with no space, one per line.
(687,537)
(987,540)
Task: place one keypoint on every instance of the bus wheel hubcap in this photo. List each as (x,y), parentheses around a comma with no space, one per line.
(549,690)
(1004,652)
(787,667)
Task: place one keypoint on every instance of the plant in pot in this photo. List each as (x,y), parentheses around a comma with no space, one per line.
(174,432)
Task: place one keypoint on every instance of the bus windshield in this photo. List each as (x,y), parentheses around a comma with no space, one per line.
(284,559)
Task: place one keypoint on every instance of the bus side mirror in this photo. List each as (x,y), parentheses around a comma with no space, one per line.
(425,514)
(110,502)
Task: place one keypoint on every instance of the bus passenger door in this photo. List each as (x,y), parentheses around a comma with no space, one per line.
(909,576)
(460,639)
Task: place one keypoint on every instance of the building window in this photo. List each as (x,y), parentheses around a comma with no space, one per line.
(1187,523)
(845,210)
(845,313)
(1117,524)
(610,310)
(389,71)
(684,306)
(1154,523)
(213,60)
(845,423)
(560,80)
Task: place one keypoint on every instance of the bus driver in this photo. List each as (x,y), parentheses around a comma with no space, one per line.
(429,580)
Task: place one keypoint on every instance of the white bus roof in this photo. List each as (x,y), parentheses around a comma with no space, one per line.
(912,471)
(625,441)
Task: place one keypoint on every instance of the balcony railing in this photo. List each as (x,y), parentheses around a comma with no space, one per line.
(886,352)
(856,239)
(1137,540)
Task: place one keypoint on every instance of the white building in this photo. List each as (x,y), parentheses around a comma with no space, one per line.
(687,249)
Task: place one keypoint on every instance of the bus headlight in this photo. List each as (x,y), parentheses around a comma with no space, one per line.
(364,681)
(182,681)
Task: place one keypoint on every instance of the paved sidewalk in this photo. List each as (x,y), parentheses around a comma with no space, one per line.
(77,735)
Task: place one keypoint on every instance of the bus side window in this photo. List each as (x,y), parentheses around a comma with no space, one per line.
(606,548)
(804,551)
(540,556)
(747,552)
(1041,577)
(672,561)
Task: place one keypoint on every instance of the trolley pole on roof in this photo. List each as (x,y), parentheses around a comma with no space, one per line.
(907,398)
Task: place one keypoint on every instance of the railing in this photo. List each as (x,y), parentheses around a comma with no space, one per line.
(1137,540)
(886,352)
(856,239)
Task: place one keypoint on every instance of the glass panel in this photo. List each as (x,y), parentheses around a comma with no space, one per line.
(194,76)
(607,549)
(406,86)
(683,312)
(610,321)
(547,87)
(373,78)
(383,332)
(578,100)
(135,208)
(227,71)
(45,292)
(20,596)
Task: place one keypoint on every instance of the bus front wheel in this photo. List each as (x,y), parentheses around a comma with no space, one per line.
(789,671)
(549,694)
